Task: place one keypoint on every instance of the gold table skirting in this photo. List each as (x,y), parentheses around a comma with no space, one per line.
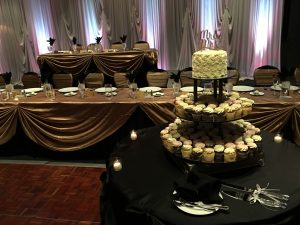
(72,123)
(106,62)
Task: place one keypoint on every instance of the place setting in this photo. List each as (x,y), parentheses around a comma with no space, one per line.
(152,91)
(68,91)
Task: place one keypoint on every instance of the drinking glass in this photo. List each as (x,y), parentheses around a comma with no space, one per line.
(228,87)
(124,46)
(10,89)
(176,88)
(207,88)
(276,85)
(133,90)
(285,86)
(49,92)
(81,89)
(108,90)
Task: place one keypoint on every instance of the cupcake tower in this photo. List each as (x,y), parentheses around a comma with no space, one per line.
(202,142)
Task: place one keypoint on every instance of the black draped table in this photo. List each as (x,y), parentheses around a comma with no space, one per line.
(141,192)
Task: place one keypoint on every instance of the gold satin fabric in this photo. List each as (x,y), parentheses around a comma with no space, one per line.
(72,123)
(8,122)
(107,62)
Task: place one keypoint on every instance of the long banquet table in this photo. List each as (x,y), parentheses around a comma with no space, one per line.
(73,123)
(106,62)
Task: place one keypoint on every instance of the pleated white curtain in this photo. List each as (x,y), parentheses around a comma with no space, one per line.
(250,29)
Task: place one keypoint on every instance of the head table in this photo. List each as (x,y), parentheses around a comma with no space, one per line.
(73,123)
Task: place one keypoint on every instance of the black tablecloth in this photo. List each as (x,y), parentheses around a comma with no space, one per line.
(141,192)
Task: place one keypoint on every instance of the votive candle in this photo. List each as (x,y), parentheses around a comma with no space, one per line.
(133,135)
(278,138)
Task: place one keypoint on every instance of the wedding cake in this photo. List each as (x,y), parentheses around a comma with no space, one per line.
(209,64)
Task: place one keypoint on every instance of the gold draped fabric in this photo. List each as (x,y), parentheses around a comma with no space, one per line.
(72,123)
(8,122)
(106,62)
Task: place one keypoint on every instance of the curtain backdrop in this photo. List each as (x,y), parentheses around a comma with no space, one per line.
(250,30)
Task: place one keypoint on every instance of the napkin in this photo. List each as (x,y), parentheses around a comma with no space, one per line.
(198,187)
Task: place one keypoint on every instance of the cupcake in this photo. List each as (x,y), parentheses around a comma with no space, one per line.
(177,147)
(257,139)
(187,142)
(230,113)
(207,114)
(196,154)
(247,108)
(252,148)
(230,145)
(219,114)
(199,144)
(186,151)
(229,155)
(208,155)
(219,153)
(239,111)
(242,151)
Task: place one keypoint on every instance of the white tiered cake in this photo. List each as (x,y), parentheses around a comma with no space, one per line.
(209,64)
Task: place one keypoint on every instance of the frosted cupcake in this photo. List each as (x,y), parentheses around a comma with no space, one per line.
(196,154)
(257,139)
(207,114)
(230,113)
(239,111)
(242,151)
(208,155)
(229,155)
(219,153)
(219,114)
(186,151)
(252,148)
(177,147)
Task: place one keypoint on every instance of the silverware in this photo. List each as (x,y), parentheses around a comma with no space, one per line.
(201,205)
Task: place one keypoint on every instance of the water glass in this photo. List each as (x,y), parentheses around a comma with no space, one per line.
(207,88)
(81,89)
(285,86)
(108,90)
(228,87)
(4,95)
(124,46)
(133,90)
(176,88)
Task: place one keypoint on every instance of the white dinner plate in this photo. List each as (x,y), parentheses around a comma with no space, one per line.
(68,89)
(242,88)
(69,94)
(190,89)
(278,88)
(102,89)
(158,94)
(2,90)
(256,93)
(30,90)
(149,89)
(194,211)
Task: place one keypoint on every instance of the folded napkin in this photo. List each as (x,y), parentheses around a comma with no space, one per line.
(98,39)
(51,41)
(198,187)
(74,40)
(123,38)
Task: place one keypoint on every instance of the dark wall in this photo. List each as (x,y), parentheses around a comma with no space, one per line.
(290,46)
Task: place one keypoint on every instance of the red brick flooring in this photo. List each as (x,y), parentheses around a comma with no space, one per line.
(49,195)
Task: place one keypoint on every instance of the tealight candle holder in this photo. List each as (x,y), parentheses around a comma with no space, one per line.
(278,138)
(117,164)
(133,135)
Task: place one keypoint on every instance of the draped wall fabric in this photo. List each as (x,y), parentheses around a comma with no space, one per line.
(250,29)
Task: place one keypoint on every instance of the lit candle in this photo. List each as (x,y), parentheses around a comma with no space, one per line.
(278,138)
(117,165)
(133,135)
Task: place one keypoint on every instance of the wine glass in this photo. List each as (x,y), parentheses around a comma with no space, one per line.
(124,46)
(276,84)
(108,91)
(81,89)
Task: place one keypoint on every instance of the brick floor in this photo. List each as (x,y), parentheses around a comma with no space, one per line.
(49,195)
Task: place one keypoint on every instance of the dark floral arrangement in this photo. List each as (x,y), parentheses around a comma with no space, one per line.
(74,40)
(131,75)
(123,38)
(51,41)
(98,39)
(6,77)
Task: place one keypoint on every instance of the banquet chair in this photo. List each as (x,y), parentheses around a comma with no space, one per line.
(157,78)
(142,45)
(2,82)
(31,80)
(94,80)
(62,80)
(121,80)
(264,75)
(185,77)
(117,45)
(234,75)
(297,76)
